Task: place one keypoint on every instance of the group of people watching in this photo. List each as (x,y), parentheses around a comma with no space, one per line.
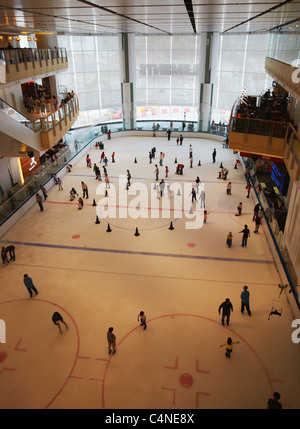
(273,106)
(45,104)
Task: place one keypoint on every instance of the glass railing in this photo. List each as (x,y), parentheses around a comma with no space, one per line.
(217,129)
(44,123)
(25,55)
(259,127)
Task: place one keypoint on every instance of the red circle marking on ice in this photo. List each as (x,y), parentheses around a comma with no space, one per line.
(191,244)
(186,380)
(75,236)
(3,356)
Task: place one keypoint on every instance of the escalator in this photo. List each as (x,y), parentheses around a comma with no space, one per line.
(18,134)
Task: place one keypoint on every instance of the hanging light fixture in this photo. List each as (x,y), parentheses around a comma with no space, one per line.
(18,38)
(35,39)
(28,39)
(1,38)
(10,38)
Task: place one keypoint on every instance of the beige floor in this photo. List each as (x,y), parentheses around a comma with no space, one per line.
(179,277)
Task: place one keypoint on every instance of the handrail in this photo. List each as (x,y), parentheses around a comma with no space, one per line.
(48,122)
(24,55)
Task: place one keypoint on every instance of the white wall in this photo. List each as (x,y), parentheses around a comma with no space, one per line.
(5,181)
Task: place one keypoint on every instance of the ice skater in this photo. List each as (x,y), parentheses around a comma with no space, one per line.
(239,209)
(29,285)
(11,250)
(246,235)
(245,298)
(197,181)
(39,200)
(80,203)
(229,239)
(273,403)
(142,319)
(161,159)
(156,171)
(111,339)
(85,190)
(73,194)
(107,184)
(194,196)
(229,343)
(4,257)
(228,188)
(128,178)
(43,189)
(226,308)
(57,320)
(248,187)
(59,182)
(214,154)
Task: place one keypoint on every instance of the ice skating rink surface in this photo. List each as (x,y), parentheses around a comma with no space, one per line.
(98,279)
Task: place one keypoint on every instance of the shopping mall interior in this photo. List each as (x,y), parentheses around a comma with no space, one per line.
(150,162)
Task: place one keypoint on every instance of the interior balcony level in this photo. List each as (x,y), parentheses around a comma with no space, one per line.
(22,64)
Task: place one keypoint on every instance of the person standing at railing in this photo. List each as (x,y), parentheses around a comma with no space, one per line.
(37,106)
(55,102)
(39,200)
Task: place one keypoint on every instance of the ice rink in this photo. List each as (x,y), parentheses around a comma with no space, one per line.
(98,279)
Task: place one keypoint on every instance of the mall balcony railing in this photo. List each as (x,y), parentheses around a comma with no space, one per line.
(27,63)
(51,126)
(257,136)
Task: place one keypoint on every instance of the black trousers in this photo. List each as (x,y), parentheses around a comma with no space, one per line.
(227,316)
(245,305)
(30,291)
(244,241)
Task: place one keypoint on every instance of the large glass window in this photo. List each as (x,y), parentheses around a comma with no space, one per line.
(93,73)
(240,69)
(167,77)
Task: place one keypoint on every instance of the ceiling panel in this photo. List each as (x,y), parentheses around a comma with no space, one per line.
(145,16)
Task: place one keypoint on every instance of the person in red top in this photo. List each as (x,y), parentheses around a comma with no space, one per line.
(249,186)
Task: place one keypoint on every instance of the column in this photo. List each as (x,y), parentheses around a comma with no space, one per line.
(127,77)
(209,46)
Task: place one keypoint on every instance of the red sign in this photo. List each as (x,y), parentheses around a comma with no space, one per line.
(29,165)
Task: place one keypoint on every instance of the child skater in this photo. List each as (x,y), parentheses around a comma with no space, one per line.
(229,345)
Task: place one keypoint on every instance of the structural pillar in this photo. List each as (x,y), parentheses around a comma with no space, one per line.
(208,46)
(127,77)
